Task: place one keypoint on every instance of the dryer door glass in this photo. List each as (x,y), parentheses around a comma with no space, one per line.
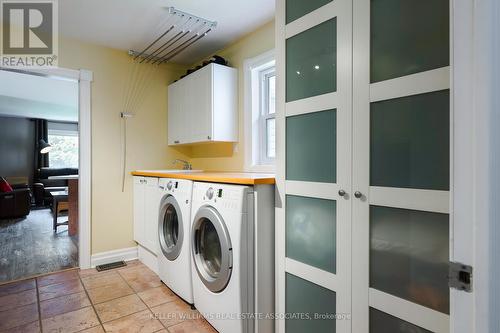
(170,228)
(212,250)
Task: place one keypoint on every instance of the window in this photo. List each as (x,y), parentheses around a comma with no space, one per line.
(64,140)
(267,116)
(260,113)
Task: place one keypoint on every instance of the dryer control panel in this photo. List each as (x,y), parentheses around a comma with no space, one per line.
(224,196)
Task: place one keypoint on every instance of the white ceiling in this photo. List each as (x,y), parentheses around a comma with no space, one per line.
(30,96)
(133,24)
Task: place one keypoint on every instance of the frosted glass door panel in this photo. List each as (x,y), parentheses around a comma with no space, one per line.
(299,8)
(408,37)
(409,255)
(381,322)
(311,62)
(311,231)
(410,142)
(311,147)
(304,298)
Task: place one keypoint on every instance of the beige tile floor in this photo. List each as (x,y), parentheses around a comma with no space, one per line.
(128,299)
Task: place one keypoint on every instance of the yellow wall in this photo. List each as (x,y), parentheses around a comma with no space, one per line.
(222,156)
(112,210)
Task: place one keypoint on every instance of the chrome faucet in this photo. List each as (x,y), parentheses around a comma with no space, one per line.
(185,164)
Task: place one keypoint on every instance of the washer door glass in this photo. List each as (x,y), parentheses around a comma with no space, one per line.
(170,228)
(212,249)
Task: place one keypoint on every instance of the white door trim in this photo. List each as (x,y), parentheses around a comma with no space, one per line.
(475,204)
(85,170)
(84,78)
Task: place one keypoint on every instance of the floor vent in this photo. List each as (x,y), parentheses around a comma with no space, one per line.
(111,265)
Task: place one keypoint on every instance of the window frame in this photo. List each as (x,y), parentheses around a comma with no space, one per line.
(256,113)
(264,77)
(68,133)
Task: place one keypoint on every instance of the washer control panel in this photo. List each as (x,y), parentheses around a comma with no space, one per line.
(170,185)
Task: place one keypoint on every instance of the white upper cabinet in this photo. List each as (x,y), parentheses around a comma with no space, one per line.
(203,106)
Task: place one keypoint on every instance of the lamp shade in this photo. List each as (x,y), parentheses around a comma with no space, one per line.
(44,147)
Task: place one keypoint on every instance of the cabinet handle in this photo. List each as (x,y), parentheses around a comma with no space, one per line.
(208,137)
(176,141)
(341,193)
(358,194)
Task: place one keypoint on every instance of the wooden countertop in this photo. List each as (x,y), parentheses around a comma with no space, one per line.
(241,178)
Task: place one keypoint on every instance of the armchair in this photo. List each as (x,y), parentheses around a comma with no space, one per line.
(15,204)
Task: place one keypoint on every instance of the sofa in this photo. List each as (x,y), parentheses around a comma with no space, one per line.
(42,185)
(15,204)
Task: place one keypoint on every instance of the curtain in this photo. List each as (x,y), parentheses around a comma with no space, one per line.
(41,133)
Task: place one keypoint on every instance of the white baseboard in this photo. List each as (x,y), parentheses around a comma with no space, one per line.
(148,258)
(126,254)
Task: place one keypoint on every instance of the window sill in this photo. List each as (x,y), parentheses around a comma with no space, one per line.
(264,168)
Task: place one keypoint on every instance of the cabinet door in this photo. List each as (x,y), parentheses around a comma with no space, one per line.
(139,209)
(199,96)
(151,194)
(175,99)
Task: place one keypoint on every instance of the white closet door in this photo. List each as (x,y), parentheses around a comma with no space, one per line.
(401,166)
(313,218)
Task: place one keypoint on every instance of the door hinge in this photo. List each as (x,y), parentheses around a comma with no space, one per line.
(460,276)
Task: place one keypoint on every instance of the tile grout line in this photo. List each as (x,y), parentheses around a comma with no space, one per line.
(147,306)
(33,277)
(151,308)
(38,305)
(91,303)
(137,294)
(134,293)
(85,291)
(64,295)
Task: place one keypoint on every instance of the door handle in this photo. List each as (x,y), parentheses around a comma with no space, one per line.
(341,193)
(358,194)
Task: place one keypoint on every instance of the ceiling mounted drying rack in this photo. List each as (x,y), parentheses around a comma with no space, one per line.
(182,30)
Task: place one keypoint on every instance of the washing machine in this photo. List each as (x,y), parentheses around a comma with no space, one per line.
(174,222)
(232,246)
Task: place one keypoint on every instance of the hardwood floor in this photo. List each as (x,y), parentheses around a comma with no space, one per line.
(30,247)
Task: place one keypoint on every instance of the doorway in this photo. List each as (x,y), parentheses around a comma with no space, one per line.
(52,230)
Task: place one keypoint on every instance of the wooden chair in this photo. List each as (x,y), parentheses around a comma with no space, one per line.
(60,203)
